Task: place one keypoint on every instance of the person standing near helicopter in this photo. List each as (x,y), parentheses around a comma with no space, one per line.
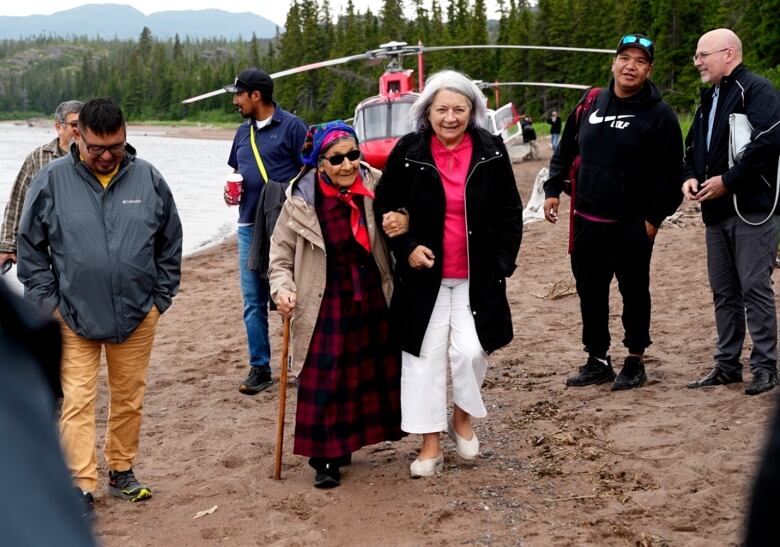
(265,151)
(449,307)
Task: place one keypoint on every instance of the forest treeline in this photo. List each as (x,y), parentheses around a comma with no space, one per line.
(150,77)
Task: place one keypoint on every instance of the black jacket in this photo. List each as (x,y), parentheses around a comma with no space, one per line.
(753,178)
(494,223)
(555,125)
(269,205)
(631,152)
(30,456)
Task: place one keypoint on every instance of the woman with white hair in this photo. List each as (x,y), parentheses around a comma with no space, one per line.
(455,181)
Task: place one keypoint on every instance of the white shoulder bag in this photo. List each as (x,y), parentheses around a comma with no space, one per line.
(740,132)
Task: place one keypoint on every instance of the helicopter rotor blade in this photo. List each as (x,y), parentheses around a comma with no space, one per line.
(397,48)
(486,85)
(320,64)
(507,46)
(291,71)
(204,96)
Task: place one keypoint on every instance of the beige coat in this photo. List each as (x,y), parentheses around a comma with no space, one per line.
(297,258)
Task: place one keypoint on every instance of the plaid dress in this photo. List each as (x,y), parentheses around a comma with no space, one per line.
(349,387)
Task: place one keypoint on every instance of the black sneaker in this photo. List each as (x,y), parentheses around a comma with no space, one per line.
(123,484)
(763,380)
(632,376)
(327,477)
(86,504)
(592,372)
(259,379)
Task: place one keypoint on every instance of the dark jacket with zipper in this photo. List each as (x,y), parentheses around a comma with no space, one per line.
(753,178)
(101,256)
(494,228)
(631,157)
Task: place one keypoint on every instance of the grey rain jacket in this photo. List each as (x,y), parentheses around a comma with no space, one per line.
(100,256)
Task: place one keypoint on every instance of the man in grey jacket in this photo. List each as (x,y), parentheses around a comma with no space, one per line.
(100,245)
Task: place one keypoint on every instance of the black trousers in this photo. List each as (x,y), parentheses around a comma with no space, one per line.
(601,251)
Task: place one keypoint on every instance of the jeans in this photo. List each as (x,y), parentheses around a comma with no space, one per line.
(255,291)
(554,137)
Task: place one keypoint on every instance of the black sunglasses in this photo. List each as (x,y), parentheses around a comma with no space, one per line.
(338,159)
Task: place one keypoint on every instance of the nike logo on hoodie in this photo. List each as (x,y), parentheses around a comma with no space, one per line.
(595,118)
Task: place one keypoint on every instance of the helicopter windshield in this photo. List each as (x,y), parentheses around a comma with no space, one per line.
(383,120)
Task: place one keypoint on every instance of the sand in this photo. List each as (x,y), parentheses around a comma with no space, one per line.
(558,466)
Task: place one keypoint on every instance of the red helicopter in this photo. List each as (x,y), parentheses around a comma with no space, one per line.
(381,120)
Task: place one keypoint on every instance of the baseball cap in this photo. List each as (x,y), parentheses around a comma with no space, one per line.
(639,41)
(252,79)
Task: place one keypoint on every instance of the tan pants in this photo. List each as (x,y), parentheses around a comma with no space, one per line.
(127,365)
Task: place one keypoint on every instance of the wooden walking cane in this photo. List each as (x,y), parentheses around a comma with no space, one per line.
(282,400)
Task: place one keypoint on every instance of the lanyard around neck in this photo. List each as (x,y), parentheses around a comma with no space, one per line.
(258,159)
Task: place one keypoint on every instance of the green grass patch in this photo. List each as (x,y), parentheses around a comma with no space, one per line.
(21,115)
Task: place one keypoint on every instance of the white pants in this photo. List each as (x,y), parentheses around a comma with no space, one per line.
(424,379)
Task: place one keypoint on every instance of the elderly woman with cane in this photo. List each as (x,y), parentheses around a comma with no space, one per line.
(449,308)
(330,273)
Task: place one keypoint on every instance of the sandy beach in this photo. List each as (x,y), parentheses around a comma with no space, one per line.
(662,465)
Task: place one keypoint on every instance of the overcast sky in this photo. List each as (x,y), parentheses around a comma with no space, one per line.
(275,10)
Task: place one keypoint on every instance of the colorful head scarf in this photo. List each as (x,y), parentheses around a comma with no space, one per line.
(320,135)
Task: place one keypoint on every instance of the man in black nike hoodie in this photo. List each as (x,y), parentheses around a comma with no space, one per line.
(630,147)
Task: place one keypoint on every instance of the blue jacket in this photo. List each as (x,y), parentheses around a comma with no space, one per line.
(102,257)
(279,145)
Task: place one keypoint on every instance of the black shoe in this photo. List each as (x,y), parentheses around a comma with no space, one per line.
(123,484)
(592,372)
(327,477)
(259,379)
(631,376)
(717,377)
(344,460)
(762,381)
(86,504)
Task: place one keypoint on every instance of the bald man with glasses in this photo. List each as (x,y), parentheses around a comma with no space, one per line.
(738,206)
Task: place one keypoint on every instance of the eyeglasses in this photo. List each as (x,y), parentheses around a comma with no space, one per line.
(73,125)
(97,150)
(633,39)
(338,159)
(704,54)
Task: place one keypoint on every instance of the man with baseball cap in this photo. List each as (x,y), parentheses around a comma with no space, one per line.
(630,148)
(266,150)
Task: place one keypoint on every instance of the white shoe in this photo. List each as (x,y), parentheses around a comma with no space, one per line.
(466,449)
(427,468)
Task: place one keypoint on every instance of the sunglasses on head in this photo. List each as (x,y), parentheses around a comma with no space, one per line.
(338,159)
(632,39)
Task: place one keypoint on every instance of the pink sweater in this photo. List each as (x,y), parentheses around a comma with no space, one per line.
(453,166)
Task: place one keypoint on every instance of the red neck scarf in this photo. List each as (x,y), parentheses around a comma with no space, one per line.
(347,195)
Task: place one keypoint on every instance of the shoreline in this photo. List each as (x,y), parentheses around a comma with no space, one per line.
(164,129)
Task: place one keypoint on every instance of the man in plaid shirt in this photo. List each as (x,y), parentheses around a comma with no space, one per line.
(65,120)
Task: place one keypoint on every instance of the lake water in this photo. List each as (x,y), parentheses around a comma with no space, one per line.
(195,169)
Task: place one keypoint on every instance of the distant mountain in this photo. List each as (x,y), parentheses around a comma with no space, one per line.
(122,21)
